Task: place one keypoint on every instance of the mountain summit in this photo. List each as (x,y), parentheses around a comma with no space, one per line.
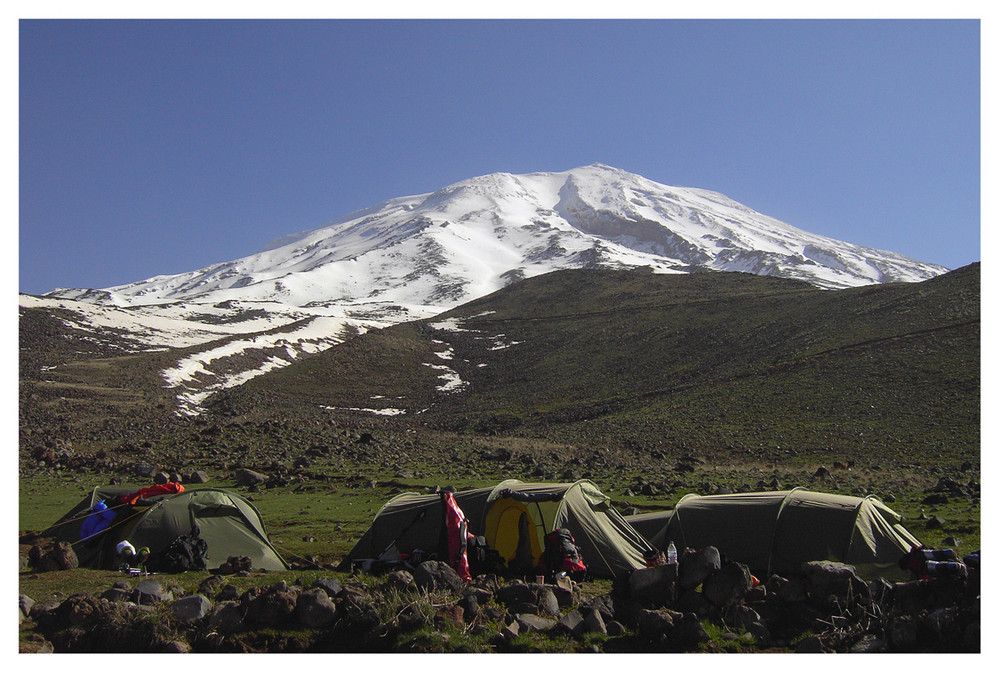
(434,251)
(417,256)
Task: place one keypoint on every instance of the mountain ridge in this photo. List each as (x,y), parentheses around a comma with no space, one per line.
(471,237)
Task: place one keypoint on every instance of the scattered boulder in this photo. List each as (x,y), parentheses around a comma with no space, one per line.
(191,609)
(60,556)
(331,585)
(728,586)
(245,477)
(400,580)
(197,477)
(593,622)
(829,581)
(529,622)
(161,478)
(935,522)
(228,593)
(435,575)
(696,566)
(210,585)
(572,623)
(656,622)
(653,586)
(150,591)
(226,617)
(470,605)
(78,610)
(143,469)
(314,609)
(688,633)
(274,606)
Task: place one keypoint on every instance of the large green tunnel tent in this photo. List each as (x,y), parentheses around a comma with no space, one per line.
(514,517)
(775,532)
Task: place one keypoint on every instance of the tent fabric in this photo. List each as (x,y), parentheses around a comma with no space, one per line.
(415,519)
(228,522)
(514,517)
(776,532)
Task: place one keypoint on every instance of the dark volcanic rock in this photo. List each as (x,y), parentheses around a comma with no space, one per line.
(314,609)
(696,566)
(434,575)
(245,477)
(273,607)
(191,609)
(226,617)
(827,581)
(653,586)
(728,586)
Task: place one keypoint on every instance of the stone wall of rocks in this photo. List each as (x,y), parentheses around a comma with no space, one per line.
(655,609)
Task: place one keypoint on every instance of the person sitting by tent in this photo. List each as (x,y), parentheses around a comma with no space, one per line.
(97,521)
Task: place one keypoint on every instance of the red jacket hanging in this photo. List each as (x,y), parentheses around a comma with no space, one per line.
(457,527)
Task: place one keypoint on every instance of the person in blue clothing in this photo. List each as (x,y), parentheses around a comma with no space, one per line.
(99,519)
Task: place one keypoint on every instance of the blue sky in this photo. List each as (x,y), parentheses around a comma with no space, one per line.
(158,147)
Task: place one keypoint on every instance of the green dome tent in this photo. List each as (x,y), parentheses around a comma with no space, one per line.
(514,517)
(776,532)
(228,522)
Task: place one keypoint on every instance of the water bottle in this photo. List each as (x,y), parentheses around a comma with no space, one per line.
(671,553)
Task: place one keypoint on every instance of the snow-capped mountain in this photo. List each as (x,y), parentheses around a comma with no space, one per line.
(471,238)
(416,256)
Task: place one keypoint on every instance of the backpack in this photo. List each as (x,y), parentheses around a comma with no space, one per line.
(482,559)
(186,552)
(562,555)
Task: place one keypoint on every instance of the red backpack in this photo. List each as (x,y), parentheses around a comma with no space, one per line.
(562,555)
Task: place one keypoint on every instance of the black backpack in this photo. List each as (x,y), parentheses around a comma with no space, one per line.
(482,559)
(186,552)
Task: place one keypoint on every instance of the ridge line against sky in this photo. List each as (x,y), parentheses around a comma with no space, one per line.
(160,147)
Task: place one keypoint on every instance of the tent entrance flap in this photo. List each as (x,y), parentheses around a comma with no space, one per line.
(516,529)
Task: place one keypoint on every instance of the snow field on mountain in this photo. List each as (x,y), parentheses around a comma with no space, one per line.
(189,374)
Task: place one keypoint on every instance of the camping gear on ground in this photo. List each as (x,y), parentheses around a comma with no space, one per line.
(562,555)
(185,552)
(925,562)
(654,558)
(514,518)
(228,523)
(777,531)
(482,559)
